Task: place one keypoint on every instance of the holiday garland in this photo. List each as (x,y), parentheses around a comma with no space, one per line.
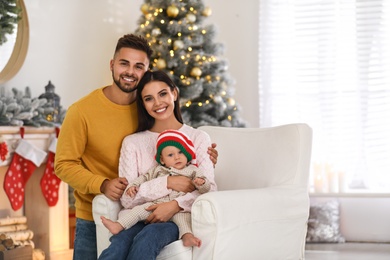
(18,108)
(9,17)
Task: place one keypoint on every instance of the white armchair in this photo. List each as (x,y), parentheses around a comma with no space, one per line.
(262,206)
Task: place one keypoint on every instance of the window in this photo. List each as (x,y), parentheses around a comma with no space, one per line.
(327,63)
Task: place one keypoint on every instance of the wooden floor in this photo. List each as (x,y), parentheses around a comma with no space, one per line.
(348,251)
(343,251)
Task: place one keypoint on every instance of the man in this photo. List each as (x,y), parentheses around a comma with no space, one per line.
(88,147)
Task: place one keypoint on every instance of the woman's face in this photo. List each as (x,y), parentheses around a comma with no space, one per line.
(159,100)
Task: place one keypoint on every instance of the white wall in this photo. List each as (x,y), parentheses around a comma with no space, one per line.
(72,42)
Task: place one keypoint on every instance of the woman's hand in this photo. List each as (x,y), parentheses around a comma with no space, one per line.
(213,153)
(162,212)
(180,183)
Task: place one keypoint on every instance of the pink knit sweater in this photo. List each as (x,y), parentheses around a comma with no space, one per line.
(137,157)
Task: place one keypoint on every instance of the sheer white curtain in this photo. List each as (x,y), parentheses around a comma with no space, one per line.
(327,63)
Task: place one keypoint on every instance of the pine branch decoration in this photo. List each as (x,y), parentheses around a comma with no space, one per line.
(18,108)
(9,17)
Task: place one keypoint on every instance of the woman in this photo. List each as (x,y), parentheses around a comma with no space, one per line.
(158,110)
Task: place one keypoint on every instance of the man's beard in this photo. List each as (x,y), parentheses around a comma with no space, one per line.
(121,87)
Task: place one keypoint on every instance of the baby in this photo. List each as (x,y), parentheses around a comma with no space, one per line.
(176,156)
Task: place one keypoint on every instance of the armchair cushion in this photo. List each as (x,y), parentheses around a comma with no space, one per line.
(103,206)
(241,224)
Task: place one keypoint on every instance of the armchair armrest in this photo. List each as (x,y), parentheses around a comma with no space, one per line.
(225,221)
(103,206)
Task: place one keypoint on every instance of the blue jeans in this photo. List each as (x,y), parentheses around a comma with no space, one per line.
(141,241)
(85,247)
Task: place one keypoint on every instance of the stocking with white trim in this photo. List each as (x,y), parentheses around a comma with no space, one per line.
(25,160)
(50,183)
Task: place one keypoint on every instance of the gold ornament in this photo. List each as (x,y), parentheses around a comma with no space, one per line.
(145,9)
(191,18)
(231,101)
(172,11)
(161,64)
(156,32)
(196,72)
(217,99)
(207,11)
(178,44)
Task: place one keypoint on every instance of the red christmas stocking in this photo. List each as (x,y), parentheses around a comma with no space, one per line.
(50,183)
(26,159)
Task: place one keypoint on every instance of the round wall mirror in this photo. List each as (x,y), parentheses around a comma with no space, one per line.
(14,50)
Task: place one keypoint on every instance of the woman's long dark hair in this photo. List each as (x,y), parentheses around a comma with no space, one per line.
(145,121)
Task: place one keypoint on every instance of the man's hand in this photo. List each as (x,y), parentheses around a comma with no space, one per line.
(114,189)
(213,153)
(180,183)
(162,212)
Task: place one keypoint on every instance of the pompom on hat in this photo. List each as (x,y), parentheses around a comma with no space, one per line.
(179,140)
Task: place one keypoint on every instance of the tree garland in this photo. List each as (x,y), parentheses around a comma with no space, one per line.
(9,17)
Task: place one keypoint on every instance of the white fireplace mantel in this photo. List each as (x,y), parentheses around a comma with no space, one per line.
(49,224)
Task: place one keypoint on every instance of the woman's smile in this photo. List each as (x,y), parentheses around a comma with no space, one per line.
(160,110)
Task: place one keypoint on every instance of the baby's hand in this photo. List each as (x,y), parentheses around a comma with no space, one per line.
(199,181)
(132,191)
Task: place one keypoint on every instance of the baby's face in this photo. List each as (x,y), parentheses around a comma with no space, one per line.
(172,156)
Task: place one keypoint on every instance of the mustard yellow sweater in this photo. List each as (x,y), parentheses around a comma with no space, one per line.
(89,144)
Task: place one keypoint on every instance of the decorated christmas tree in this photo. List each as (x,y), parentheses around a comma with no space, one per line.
(184,48)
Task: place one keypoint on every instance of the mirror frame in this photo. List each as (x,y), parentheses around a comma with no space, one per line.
(19,52)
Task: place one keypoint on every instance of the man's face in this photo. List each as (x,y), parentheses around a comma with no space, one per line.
(127,68)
